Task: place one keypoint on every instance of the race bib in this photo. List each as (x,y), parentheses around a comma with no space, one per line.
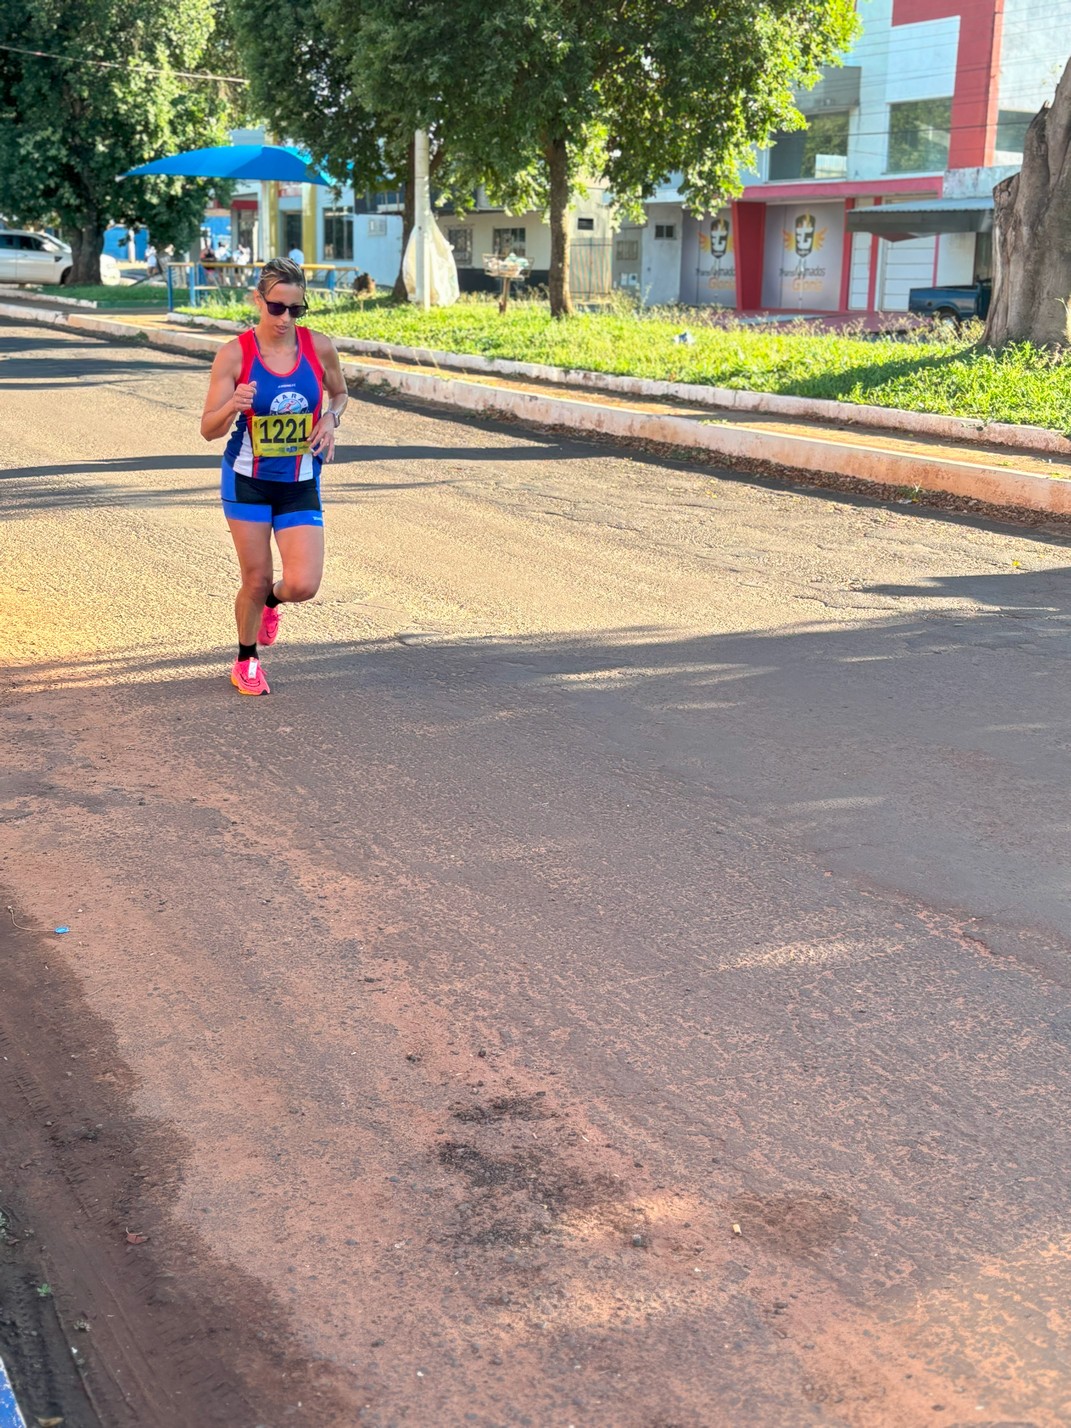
(281,434)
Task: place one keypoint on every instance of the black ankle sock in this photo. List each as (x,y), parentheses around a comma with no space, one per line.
(272,600)
(247,651)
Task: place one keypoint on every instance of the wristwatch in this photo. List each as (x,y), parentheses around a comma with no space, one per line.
(338,419)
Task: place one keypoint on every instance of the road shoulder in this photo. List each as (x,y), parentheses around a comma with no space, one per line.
(994,478)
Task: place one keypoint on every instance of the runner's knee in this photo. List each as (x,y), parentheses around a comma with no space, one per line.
(257,584)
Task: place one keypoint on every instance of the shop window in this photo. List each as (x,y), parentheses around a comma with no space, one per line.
(983,257)
(292,233)
(918,136)
(509,240)
(1012,125)
(338,235)
(460,239)
(818,152)
(665,230)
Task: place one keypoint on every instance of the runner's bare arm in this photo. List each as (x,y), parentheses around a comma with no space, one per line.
(226,396)
(323,438)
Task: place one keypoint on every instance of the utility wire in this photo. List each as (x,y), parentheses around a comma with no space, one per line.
(117,64)
(875,42)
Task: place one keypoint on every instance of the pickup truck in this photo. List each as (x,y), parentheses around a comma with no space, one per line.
(951,304)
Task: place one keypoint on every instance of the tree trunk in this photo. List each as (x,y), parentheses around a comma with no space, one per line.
(557,157)
(86,241)
(399,294)
(1032,235)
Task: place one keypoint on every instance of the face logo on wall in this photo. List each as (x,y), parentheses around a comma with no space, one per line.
(803,256)
(716,238)
(804,236)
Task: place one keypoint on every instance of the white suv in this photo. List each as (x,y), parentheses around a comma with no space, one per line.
(39,258)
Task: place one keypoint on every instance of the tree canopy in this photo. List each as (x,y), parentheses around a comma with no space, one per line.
(627,93)
(305,63)
(113,99)
(300,64)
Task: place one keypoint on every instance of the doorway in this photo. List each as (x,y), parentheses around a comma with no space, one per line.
(291,225)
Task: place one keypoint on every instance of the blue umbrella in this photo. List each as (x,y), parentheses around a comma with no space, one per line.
(237,161)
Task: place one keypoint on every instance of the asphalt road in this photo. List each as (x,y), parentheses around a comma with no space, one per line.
(619,978)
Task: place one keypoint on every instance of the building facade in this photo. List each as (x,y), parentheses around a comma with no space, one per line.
(331,227)
(488,231)
(888,187)
(927,114)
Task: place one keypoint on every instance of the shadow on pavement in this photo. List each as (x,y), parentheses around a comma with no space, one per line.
(929,750)
(777,892)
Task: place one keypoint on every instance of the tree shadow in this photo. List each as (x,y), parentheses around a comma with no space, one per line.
(540,449)
(23,499)
(15,343)
(63,371)
(773,896)
(22,495)
(901,747)
(1011,593)
(116,464)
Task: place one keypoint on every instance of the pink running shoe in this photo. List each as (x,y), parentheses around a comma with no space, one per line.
(269,626)
(247,676)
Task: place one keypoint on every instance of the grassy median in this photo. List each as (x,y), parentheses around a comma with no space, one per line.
(922,371)
(111,294)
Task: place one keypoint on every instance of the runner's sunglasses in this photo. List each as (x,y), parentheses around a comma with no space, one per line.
(295,309)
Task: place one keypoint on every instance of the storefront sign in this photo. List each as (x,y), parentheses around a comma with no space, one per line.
(804,252)
(717,259)
(708,259)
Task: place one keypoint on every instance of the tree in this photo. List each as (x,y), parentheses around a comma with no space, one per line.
(1032,235)
(305,62)
(105,96)
(545,91)
(299,81)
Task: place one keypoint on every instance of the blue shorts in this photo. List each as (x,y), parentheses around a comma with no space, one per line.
(279,504)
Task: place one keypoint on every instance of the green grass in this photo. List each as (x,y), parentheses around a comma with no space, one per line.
(923,372)
(112,295)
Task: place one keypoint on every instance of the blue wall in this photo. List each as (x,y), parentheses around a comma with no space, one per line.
(115,243)
(219,227)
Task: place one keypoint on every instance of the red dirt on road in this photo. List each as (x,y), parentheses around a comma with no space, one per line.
(619,977)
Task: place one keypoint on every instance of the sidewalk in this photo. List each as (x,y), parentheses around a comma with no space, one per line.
(1022,470)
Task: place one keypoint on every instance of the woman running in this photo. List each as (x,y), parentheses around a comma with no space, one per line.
(273,379)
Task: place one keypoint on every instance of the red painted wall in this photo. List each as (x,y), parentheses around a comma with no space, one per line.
(974,101)
(749,228)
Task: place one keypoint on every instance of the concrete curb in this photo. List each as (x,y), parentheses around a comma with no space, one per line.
(31,297)
(993,485)
(925,424)
(10,1416)
(977,480)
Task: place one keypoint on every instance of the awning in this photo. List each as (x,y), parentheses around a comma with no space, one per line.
(897,221)
(237,161)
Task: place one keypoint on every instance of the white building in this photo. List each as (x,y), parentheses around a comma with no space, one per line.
(927,114)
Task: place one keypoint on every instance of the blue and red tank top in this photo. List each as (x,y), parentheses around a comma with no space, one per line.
(271,442)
